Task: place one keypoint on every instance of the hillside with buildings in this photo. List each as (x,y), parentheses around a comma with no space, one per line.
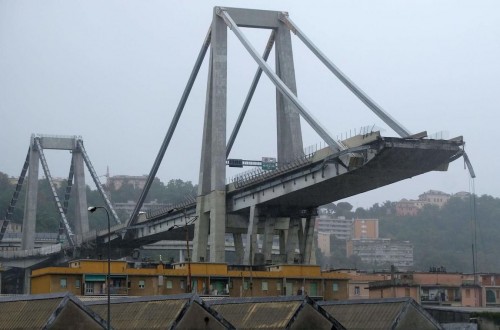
(437,230)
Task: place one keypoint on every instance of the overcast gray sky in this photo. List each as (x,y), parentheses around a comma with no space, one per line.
(114,71)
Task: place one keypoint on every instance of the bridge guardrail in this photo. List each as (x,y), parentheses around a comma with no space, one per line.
(162,210)
(257,175)
(43,251)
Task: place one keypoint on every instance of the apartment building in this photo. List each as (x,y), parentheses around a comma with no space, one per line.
(117,181)
(340,227)
(407,207)
(382,251)
(87,277)
(358,286)
(436,287)
(435,197)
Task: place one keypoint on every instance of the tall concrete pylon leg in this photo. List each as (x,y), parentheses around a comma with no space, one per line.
(213,158)
(251,241)
(27,281)
(292,239)
(30,206)
(81,224)
(289,135)
(238,248)
(308,256)
(282,241)
(267,243)
(201,227)
(301,238)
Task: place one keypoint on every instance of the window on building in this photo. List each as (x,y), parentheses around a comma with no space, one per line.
(467,293)
(129,284)
(141,284)
(63,283)
(183,284)
(357,292)
(278,286)
(77,284)
(245,285)
(169,284)
(407,292)
(264,286)
(89,288)
(335,287)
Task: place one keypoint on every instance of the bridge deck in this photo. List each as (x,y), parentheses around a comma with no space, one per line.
(310,182)
(395,160)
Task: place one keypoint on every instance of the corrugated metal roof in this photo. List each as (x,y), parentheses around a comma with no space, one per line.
(24,314)
(255,315)
(365,316)
(91,300)
(378,313)
(150,314)
(38,311)
(243,300)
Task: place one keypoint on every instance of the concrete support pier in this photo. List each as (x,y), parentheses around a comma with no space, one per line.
(30,206)
(27,281)
(81,213)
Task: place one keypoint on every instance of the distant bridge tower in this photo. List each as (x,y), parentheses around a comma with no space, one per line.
(75,182)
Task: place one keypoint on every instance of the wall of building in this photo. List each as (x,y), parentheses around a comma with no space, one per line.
(430,278)
(396,292)
(324,243)
(207,278)
(365,228)
(471,296)
(335,290)
(358,286)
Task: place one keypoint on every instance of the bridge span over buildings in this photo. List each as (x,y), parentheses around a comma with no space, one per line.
(280,202)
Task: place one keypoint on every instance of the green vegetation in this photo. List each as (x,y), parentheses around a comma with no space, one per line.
(175,191)
(440,237)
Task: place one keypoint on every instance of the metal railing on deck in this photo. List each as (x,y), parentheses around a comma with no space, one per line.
(257,175)
(43,251)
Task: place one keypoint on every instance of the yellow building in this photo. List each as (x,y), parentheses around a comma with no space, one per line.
(88,277)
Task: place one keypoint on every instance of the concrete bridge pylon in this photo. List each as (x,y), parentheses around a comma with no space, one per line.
(212,186)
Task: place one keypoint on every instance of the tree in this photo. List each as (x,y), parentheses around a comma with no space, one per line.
(343,209)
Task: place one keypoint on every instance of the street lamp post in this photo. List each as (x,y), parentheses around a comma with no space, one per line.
(188,256)
(186,230)
(92,209)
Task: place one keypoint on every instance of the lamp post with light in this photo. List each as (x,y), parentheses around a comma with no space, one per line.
(92,209)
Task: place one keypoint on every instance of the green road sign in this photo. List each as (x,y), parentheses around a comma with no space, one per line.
(268,163)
